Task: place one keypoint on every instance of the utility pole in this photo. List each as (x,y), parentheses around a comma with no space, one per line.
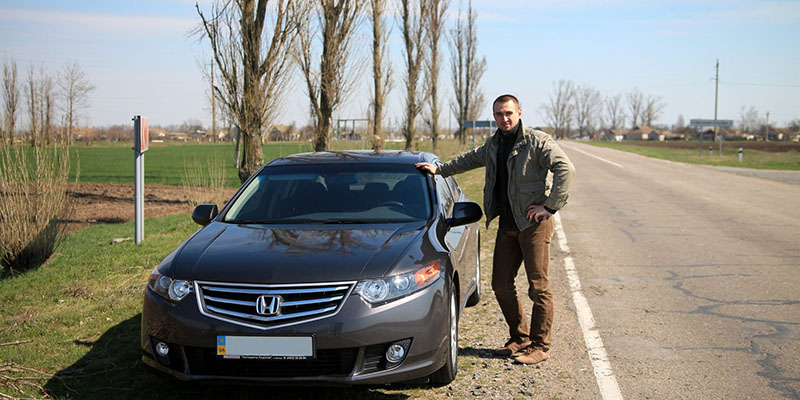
(716,100)
(213,105)
(766,129)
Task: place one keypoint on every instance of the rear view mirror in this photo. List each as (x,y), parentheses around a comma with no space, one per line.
(204,213)
(465,212)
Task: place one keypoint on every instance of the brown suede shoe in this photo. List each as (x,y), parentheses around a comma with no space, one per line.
(532,356)
(512,347)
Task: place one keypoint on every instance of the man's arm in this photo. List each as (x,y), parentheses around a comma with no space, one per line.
(465,162)
(556,161)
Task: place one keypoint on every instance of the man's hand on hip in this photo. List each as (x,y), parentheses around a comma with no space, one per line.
(427,167)
(537,213)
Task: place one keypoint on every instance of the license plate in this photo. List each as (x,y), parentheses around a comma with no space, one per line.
(266,347)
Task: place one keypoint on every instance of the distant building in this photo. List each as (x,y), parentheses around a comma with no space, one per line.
(283,133)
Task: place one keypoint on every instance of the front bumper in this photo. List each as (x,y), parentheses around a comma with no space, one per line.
(349,346)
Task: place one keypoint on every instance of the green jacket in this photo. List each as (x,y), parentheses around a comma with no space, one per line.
(533,155)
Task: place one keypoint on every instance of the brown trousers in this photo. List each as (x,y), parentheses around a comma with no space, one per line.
(531,247)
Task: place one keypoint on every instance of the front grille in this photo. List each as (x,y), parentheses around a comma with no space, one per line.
(296,303)
(335,362)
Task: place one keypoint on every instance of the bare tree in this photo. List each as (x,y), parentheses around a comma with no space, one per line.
(749,121)
(252,64)
(11,99)
(75,89)
(588,105)
(680,124)
(653,107)
(467,71)
(381,71)
(328,85)
(46,106)
(615,115)
(32,92)
(436,17)
(559,110)
(636,106)
(414,13)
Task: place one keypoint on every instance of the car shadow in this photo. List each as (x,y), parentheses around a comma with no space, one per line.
(112,368)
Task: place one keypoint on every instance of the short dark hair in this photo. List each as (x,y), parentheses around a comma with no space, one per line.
(505,98)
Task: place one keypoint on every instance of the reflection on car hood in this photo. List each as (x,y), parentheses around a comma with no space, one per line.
(264,254)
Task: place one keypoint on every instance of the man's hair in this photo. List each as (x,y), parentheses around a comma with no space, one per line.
(505,98)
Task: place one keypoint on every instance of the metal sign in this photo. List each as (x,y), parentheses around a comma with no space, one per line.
(480,124)
(721,123)
(141,139)
(141,142)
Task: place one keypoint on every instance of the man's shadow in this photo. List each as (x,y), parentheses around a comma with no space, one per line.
(112,368)
(479,353)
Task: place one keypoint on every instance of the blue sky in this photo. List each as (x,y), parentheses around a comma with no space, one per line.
(142,59)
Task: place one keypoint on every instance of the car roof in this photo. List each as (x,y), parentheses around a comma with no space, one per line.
(354,156)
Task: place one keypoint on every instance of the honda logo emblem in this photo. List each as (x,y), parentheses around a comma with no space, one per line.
(268,305)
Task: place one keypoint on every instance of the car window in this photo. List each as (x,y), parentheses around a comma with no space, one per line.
(454,188)
(445,195)
(333,193)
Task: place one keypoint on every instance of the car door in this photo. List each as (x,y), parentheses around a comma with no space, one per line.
(456,238)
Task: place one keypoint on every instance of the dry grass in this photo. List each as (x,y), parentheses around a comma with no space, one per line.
(205,182)
(34,205)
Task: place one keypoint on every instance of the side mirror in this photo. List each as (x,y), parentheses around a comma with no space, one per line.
(465,212)
(204,213)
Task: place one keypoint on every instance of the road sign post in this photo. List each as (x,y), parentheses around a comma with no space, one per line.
(141,142)
(716,123)
(488,124)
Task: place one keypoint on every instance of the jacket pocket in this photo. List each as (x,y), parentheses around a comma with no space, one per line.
(532,193)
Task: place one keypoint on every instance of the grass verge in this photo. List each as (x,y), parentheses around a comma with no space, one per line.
(757,159)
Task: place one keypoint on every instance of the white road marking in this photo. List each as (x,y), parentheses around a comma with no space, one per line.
(592,155)
(609,388)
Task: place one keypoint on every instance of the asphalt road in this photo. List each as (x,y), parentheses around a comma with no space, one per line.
(691,274)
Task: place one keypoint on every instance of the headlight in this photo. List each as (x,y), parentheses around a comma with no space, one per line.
(396,286)
(168,288)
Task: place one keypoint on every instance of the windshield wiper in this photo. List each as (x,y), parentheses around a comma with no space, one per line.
(246,221)
(343,221)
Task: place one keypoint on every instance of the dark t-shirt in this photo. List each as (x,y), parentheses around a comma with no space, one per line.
(501,185)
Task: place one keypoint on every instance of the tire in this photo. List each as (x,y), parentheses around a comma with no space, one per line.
(448,372)
(475,297)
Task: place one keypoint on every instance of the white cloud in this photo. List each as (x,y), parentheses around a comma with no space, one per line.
(94,23)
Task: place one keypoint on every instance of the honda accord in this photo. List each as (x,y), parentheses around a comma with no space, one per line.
(331,267)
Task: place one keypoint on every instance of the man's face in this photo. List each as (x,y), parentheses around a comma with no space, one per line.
(507,115)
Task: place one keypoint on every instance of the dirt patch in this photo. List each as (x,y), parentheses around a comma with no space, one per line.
(107,203)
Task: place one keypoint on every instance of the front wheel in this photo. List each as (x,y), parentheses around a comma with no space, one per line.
(448,372)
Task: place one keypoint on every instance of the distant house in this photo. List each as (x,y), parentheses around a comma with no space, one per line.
(667,135)
(618,134)
(283,133)
(642,132)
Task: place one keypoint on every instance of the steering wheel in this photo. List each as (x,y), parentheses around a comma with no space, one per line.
(393,203)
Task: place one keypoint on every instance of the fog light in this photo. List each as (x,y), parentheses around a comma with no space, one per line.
(162,349)
(396,352)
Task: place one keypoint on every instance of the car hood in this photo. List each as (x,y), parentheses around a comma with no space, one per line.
(295,254)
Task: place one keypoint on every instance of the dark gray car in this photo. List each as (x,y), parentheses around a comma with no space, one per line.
(332,267)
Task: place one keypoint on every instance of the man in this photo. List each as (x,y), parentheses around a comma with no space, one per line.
(517,161)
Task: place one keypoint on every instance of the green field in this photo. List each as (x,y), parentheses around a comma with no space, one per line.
(165,163)
(752,158)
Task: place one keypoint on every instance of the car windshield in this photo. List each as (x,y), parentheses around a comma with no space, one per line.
(334,194)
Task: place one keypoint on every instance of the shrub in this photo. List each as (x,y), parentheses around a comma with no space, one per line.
(205,183)
(34,204)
